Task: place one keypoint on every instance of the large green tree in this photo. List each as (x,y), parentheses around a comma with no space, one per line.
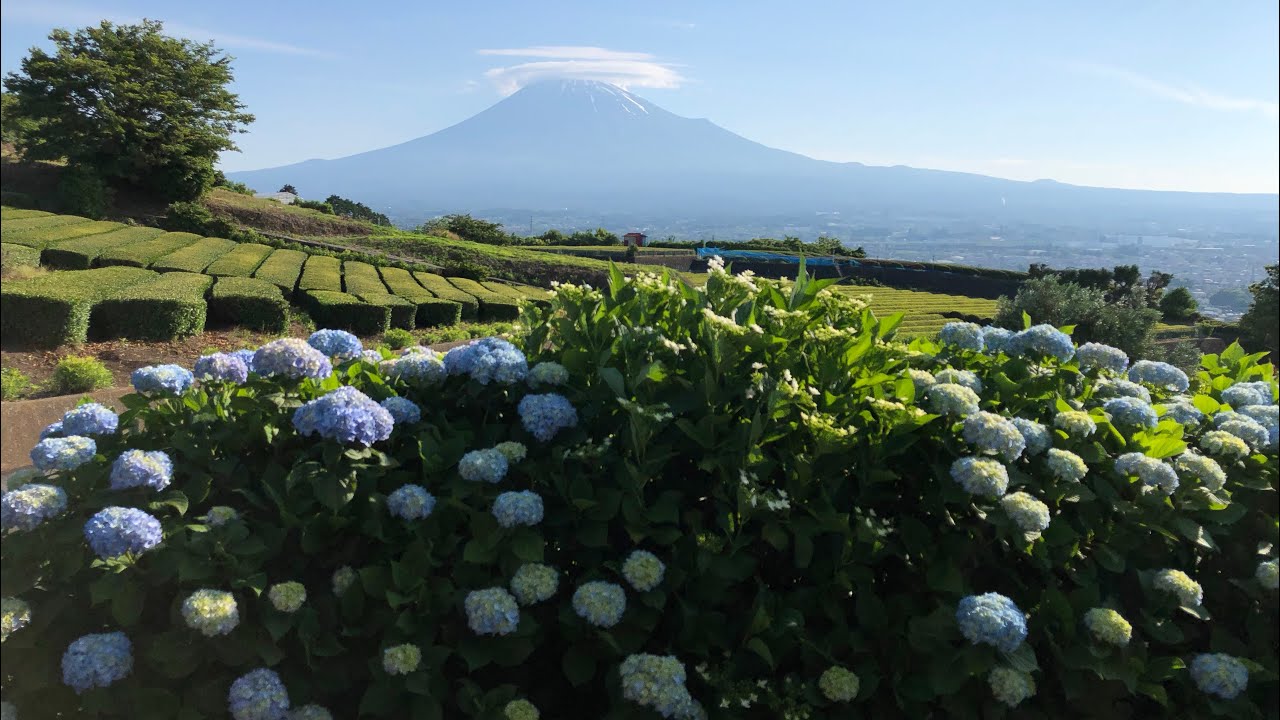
(135,106)
(1260,322)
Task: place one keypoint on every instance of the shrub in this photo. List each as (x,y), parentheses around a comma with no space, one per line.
(53,309)
(1126,324)
(1178,305)
(323,207)
(15,256)
(397,338)
(321,273)
(804,547)
(433,310)
(146,252)
(78,374)
(170,307)
(249,302)
(343,311)
(15,385)
(442,288)
(282,269)
(469,269)
(195,257)
(81,253)
(492,305)
(194,217)
(1261,322)
(16,229)
(242,261)
(361,278)
(83,192)
(404,314)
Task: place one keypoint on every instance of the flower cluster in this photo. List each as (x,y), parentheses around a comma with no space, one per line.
(600,603)
(964,335)
(1206,470)
(401,659)
(27,507)
(520,710)
(1150,471)
(140,468)
(1010,686)
(996,339)
(1219,674)
(513,509)
(492,611)
(967,378)
(51,430)
(993,434)
(403,410)
(258,695)
(1179,584)
(980,476)
(342,579)
(548,374)
(1066,465)
(838,684)
(545,415)
(1108,626)
(1075,423)
(1216,442)
(339,345)
(993,619)
(952,399)
(1268,574)
(922,379)
(97,660)
(161,380)
(419,370)
(411,502)
(291,358)
(1249,393)
(211,612)
(1130,411)
(219,515)
(488,360)
(15,614)
(1042,340)
(643,570)
(1159,374)
(1248,430)
(1183,412)
(90,419)
(1112,388)
(222,367)
(657,682)
(1028,513)
(246,357)
(287,597)
(345,415)
(1096,356)
(513,451)
(534,582)
(64,453)
(1034,435)
(114,531)
(488,466)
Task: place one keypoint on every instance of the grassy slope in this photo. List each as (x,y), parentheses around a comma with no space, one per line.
(276,217)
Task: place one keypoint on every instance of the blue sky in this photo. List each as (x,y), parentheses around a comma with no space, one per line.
(1166,95)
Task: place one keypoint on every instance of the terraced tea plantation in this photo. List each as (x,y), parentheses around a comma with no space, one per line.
(114,280)
(925,312)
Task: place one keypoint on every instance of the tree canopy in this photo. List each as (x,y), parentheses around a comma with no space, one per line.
(135,106)
(1263,317)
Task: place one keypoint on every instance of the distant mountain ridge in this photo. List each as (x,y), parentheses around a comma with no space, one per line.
(596,147)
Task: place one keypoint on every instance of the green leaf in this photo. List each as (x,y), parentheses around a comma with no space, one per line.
(174,499)
(759,647)
(1023,659)
(578,665)
(613,378)
(1026,320)
(127,603)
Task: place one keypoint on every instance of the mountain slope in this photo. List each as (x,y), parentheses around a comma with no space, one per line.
(592,146)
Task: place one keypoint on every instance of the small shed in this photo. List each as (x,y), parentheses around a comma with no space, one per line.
(634,238)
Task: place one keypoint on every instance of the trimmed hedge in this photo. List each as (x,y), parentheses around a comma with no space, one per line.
(80,253)
(492,305)
(249,302)
(11,213)
(282,269)
(37,224)
(432,311)
(46,235)
(519,292)
(240,262)
(144,253)
(170,307)
(12,256)
(360,278)
(404,314)
(347,312)
(195,257)
(321,273)
(53,309)
(440,287)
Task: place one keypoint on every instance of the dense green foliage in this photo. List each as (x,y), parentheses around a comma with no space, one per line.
(1262,321)
(1123,324)
(408,314)
(78,374)
(14,384)
(360,278)
(282,267)
(16,256)
(53,309)
(194,217)
(82,191)
(168,308)
(1178,305)
(356,210)
(492,305)
(41,232)
(82,253)
(146,252)
(344,311)
(249,302)
(242,261)
(195,257)
(321,273)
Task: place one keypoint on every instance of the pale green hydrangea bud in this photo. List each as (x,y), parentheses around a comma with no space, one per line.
(520,710)
(513,451)
(287,597)
(211,612)
(1108,626)
(401,659)
(1268,575)
(1176,582)
(1010,686)
(16,615)
(343,577)
(838,684)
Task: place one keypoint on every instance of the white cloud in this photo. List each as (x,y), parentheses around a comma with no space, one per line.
(1185,94)
(622,68)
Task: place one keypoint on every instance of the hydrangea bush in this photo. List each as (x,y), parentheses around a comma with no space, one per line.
(747,500)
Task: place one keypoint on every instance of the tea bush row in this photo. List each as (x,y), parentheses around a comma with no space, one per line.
(143,254)
(81,253)
(170,307)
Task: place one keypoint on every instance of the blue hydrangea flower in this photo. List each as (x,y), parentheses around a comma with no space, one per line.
(1119,387)
(1034,435)
(1133,412)
(952,399)
(483,466)
(545,415)
(411,502)
(964,335)
(492,611)
(90,419)
(996,339)
(211,612)
(1268,574)
(922,379)
(1159,374)
(403,410)
(1096,356)
(97,660)
(162,379)
(534,583)
(27,507)
(548,374)
(1150,471)
(1262,414)
(1206,470)
(1219,674)
(488,360)
(140,468)
(1248,430)
(64,453)
(417,369)
(291,358)
(600,603)
(1010,686)
(1066,465)
(980,476)
(339,345)
(993,434)
(258,695)
(114,531)
(643,570)
(51,430)
(658,683)
(512,509)
(246,357)
(1042,340)
(1182,412)
(967,378)
(345,415)
(373,357)
(222,367)
(1250,393)
(1028,513)
(993,619)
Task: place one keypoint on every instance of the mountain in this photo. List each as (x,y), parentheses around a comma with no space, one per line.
(594,147)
